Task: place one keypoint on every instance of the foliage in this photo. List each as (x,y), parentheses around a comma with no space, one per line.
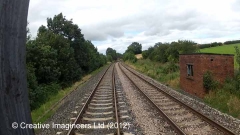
(208,81)
(237,81)
(227,98)
(169,52)
(146,53)
(187,46)
(237,56)
(111,52)
(167,73)
(135,48)
(109,58)
(119,55)
(129,56)
(170,67)
(42,93)
(232,42)
(159,54)
(58,57)
(214,44)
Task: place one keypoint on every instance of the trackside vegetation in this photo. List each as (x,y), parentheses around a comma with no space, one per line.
(57,58)
(158,71)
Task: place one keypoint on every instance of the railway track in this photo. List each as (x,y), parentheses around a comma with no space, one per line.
(183,118)
(104,111)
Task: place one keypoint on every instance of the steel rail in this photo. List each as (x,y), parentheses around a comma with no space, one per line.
(208,120)
(170,122)
(115,101)
(79,117)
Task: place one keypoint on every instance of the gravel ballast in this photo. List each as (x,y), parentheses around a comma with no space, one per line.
(145,114)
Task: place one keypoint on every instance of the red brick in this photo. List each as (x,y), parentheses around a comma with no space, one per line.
(222,66)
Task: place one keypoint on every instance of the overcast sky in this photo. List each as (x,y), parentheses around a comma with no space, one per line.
(118,23)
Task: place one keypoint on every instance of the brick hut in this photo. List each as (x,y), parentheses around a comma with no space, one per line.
(193,67)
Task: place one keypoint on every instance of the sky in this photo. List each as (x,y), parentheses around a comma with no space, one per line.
(118,23)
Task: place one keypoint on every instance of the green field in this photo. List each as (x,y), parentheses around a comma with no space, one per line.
(225,49)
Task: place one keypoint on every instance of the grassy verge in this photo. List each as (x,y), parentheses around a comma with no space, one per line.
(225,99)
(37,115)
(158,71)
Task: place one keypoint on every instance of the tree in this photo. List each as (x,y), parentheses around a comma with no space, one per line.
(135,48)
(172,52)
(61,26)
(58,57)
(44,58)
(129,56)
(112,53)
(109,58)
(159,53)
(119,55)
(147,52)
(187,46)
(14,103)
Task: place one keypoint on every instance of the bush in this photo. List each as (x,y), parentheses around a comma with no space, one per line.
(208,82)
(230,86)
(170,67)
(41,94)
(129,56)
(145,54)
(237,81)
(109,58)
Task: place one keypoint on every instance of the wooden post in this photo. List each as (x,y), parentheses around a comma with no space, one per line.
(14,102)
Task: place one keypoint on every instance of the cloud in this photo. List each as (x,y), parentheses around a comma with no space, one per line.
(235,6)
(118,23)
(102,31)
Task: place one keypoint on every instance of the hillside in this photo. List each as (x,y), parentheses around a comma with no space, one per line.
(225,49)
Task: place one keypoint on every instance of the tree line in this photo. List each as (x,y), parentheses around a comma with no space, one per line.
(201,46)
(58,57)
(214,44)
(232,42)
(169,52)
(112,54)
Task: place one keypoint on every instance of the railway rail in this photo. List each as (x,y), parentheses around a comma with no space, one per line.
(101,113)
(183,118)
(98,108)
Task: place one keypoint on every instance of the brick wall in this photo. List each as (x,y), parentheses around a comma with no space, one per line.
(222,66)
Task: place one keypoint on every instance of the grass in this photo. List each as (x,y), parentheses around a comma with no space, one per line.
(157,71)
(225,101)
(41,114)
(225,49)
